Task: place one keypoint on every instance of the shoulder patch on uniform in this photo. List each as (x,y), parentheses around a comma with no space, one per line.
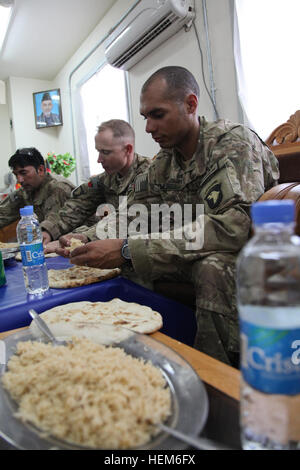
(214,196)
(141,183)
(94,182)
(77,191)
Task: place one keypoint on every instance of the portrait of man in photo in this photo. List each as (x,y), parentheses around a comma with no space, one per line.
(47,106)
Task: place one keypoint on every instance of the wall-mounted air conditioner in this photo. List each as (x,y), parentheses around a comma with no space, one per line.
(145,27)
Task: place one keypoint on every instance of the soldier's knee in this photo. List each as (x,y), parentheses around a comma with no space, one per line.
(218,336)
(214,282)
(219,265)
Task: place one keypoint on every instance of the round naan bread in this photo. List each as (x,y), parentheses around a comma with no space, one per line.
(8,245)
(86,319)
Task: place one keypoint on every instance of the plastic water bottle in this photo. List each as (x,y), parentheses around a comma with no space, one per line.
(31,246)
(268,293)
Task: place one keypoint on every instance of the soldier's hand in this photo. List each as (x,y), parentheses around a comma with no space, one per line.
(46,237)
(105,254)
(51,247)
(65,241)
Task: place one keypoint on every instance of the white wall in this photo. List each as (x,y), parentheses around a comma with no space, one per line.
(21,111)
(81,65)
(25,132)
(6,149)
(181,49)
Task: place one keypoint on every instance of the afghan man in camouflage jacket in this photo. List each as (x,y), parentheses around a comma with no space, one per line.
(46,193)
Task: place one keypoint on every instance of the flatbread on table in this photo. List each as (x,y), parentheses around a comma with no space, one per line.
(77,276)
(8,245)
(88,319)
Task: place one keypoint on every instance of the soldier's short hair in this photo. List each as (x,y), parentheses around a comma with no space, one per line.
(180,82)
(118,127)
(26,157)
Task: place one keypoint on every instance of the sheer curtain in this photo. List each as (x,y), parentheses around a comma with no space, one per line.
(266,49)
(100,98)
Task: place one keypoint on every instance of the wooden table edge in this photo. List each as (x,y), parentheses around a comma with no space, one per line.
(215,373)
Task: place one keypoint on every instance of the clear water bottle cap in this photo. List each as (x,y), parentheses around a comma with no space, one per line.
(266,212)
(27,210)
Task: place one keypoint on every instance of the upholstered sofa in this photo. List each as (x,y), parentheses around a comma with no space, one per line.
(284,142)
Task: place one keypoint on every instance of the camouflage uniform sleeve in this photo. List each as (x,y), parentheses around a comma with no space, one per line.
(59,194)
(90,233)
(226,232)
(117,222)
(9,208)
(76,210)
(235,179)
(112,189)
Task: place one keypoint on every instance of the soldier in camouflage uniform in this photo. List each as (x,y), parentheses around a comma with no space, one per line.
(45,192)
(221,165)
(115,142)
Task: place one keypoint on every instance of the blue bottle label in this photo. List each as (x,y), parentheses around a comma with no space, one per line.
(270,359)
(32,255)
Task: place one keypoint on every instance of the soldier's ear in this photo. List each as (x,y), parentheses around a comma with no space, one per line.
(191,102)
(41,170)
(128,148)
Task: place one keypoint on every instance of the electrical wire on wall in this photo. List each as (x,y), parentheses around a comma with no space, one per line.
(211,93)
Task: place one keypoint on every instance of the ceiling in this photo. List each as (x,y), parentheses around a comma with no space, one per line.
(44,34)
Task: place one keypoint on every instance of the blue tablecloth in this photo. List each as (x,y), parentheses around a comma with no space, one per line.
(178,320)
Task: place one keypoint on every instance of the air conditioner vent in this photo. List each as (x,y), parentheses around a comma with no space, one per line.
(146,39)
(145,27)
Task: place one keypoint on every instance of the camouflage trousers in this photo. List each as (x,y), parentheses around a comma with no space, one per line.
(216,309)
(128,272)
(213,278)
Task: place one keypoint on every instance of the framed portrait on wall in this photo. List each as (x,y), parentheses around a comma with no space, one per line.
(47,108)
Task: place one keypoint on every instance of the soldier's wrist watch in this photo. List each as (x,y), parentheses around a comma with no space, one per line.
(125,251)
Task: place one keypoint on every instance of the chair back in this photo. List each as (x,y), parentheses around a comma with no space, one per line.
(284,142)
